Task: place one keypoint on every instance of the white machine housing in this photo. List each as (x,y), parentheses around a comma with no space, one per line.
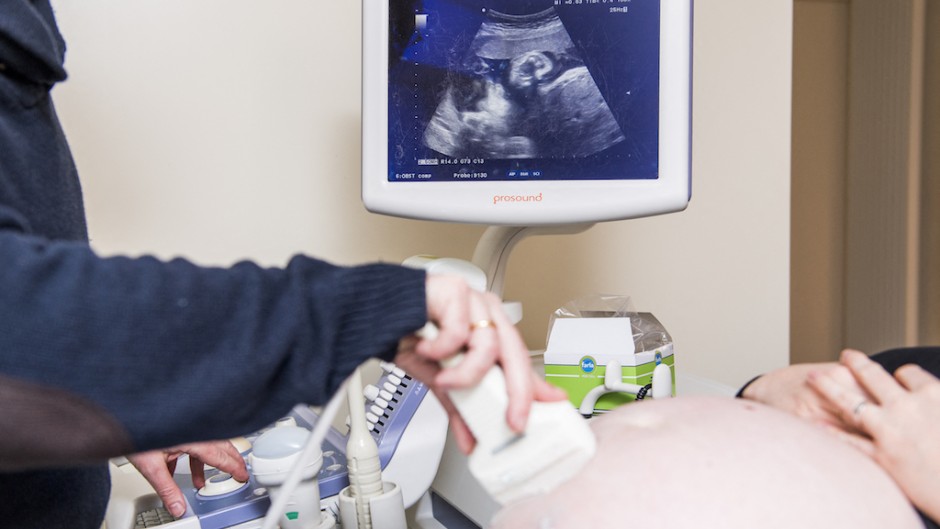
(407,173)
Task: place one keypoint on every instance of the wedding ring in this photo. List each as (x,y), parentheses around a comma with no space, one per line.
(481,324)
(858,407)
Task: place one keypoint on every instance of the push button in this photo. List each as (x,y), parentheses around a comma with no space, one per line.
(220,484)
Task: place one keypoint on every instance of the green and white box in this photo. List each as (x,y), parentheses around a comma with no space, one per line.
(579,350)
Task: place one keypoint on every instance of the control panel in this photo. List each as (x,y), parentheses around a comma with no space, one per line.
(392,401)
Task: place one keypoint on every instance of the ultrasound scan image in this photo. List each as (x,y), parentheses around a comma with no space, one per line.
(522,91)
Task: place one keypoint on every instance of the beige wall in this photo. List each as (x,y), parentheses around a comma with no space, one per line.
(866,192)
(884,177)
(820,78)
(224,130)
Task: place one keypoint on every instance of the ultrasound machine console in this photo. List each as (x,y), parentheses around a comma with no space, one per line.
(409,456)
(530,116)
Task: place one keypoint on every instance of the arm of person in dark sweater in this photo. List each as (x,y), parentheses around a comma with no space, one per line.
(171,352)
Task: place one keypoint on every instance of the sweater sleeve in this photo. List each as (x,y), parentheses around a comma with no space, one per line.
(175,352)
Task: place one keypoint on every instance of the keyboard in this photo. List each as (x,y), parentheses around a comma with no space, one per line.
(153,518)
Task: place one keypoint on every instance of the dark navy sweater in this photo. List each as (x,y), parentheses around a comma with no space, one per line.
(100,356)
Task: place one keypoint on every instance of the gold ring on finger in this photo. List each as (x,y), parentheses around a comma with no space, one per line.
(482,324)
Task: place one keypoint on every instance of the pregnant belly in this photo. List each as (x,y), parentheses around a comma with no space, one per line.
(702,462)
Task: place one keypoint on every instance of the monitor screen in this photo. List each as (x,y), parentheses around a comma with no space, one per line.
(527,100)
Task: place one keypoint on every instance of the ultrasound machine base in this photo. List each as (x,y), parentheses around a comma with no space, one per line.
(410,432)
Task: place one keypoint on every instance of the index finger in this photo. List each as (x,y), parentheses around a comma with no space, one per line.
(449,311)
(872,377)
(220,454)
(482,349)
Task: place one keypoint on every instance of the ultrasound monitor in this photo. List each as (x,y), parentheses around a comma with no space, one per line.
(526,112)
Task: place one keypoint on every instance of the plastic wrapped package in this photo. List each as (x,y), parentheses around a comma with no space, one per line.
(588,334)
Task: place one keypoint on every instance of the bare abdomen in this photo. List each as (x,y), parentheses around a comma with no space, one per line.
(705,462)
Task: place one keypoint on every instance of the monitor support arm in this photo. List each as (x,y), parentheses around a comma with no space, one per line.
(496,244)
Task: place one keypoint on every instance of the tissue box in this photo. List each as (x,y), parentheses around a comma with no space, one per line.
(579,350)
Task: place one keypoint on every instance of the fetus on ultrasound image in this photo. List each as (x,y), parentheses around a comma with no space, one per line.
(522,91)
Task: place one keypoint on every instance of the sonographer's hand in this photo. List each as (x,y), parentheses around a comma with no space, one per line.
(900,422)
(475,324)
(157,466)
(788,389)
